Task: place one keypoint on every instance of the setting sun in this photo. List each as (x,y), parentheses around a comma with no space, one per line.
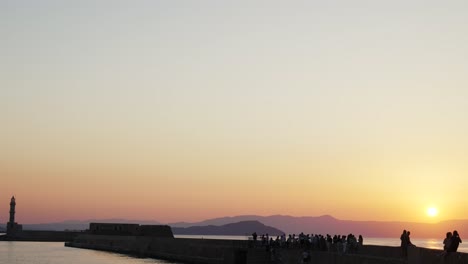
(432,211)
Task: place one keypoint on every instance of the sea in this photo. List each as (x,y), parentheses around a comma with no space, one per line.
(14,252)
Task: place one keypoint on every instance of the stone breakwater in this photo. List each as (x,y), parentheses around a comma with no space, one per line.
(41,236)
(178,249)
(211,251)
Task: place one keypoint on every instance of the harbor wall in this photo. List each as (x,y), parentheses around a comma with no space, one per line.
(210,251)
(376,255)
(418,255)
(42,236)
(179,249)
(295,256)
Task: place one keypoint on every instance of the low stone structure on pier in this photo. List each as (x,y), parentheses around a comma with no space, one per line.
(118,229)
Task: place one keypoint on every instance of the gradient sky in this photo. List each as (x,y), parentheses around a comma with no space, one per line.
(187,110)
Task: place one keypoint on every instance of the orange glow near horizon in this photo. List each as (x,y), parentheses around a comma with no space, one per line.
(89,195)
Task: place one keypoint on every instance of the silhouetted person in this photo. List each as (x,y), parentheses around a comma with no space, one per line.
(454,242)
(404,243)
(447,243)
(447,240)
(305,256)
(254,236)
(360,241)
(409,239)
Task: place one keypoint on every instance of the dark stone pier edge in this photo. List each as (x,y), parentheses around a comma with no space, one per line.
(211,251)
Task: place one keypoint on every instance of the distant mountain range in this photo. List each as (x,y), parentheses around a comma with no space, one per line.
(289,224)
(234,229)
(329,225)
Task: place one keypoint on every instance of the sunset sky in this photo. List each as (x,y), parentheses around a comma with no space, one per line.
(188,110)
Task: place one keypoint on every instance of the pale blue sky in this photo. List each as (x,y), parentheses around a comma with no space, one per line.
(238,84)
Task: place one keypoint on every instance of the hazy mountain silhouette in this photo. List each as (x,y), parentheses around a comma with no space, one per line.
(217,221)
(329,225)
(233,229)
(325,224)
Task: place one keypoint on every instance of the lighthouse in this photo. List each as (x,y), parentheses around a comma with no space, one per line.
(12,226)
(12,210)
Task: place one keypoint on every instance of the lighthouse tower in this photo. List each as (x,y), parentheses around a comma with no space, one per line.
(12,226)
(12,209)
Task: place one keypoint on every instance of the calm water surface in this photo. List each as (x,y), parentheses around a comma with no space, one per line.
(57,253)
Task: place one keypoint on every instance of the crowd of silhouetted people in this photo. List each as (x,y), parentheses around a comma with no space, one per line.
(317,242)
(340,243)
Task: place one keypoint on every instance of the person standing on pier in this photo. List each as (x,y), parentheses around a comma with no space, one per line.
(454,242)
(447,240)
(408,238)
(404,244)
(254,236)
